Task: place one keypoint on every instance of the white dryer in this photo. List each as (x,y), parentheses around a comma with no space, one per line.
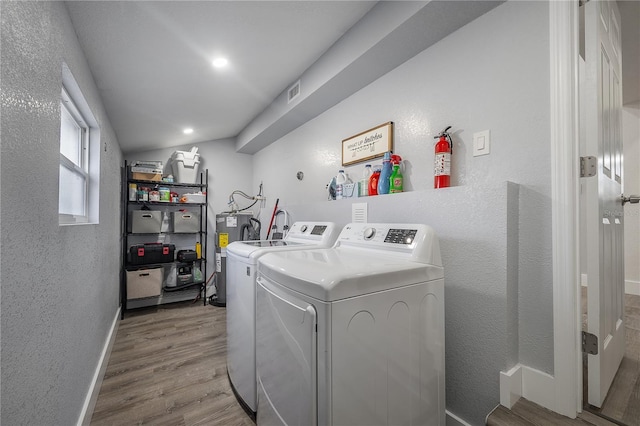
(353,334)
(242,258)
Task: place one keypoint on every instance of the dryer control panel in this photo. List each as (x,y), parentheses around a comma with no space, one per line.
(322,233)
(417,242)
(400,236)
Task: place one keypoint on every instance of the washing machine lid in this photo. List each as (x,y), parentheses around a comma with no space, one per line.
(256,248)
(339,273)
(300,235)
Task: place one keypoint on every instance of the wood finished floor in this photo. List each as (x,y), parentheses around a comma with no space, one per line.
(623,400)
(526,413)
(622,403)
(168,367)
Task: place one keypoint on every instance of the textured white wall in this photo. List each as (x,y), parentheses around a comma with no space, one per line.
(491,74)
(228,171)
(631,138)
(60,285)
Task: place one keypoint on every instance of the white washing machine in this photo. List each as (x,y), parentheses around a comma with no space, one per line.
(242,258)
(353,334)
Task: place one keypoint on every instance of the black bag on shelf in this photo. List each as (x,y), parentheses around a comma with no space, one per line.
(187,255)
(144,254)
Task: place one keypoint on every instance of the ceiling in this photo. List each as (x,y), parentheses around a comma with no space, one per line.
(152,61)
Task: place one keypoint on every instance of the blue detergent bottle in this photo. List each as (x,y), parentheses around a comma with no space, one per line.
(385,174)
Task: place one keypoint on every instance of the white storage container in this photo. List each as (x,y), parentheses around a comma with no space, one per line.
(144,283)
(146,222)
(187,222)
(170,276)
(185,165)
(195,198)
(349,190)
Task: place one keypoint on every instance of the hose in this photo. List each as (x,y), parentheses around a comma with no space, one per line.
(243,228)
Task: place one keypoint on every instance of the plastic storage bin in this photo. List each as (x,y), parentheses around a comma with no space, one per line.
(185,165)
(194,198)
(170,276)
(144,283)
(349,190)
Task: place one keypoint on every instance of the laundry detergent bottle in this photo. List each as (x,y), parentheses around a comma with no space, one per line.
(396,179)
(385,174)
(341,179)
(373,180)
(363,184)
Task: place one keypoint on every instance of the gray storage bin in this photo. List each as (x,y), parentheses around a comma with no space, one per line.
(146,221)
(144,283)
(187,222)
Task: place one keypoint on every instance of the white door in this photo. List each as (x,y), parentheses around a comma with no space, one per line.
(604,215)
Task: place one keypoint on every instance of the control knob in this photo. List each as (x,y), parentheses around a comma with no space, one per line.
(369,233)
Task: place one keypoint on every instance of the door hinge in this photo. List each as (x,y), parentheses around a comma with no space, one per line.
(589,343)
(248,271)
(588,166)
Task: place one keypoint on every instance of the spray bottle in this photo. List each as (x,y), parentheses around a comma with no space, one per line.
(396,179)
(385,174)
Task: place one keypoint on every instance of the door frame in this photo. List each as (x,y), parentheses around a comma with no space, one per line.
(565,190)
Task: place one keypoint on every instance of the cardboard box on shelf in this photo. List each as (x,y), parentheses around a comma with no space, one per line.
(150,177)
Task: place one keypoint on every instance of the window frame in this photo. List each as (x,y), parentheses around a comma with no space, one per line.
(68,105)
(74,110)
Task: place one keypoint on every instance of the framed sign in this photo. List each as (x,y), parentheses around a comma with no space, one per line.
(372,143)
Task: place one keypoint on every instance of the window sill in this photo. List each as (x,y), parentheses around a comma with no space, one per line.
(69,220)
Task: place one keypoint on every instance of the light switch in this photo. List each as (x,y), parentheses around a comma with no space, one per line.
(481,143)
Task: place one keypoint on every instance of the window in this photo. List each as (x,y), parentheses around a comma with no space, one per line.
(79,157)
(74,170)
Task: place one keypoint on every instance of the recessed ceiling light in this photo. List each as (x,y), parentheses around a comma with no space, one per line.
(220,62)
(187,131)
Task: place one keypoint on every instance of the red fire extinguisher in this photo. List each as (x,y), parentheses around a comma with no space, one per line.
(442,163)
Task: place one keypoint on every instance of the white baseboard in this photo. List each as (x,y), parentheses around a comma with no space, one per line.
(94,389)
(529,383)
(538,387)
(510,386)
(453,420)
(632,287)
